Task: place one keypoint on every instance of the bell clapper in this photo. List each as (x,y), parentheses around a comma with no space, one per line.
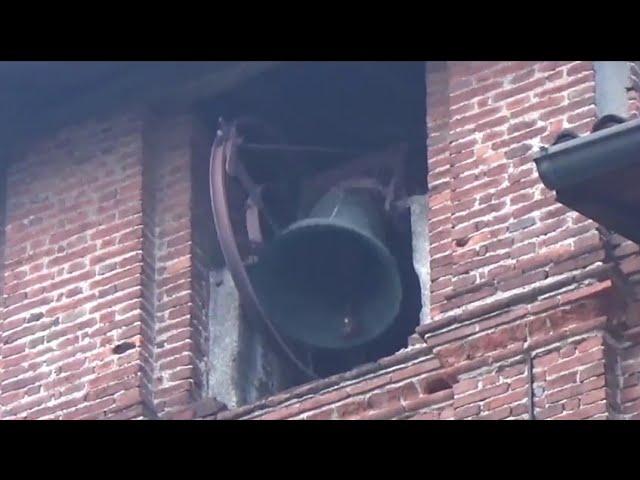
(348,325)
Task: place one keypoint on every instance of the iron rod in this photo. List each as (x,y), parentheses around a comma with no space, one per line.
(530,395)
(298,148)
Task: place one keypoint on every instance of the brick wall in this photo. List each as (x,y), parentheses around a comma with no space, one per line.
(103,313)
(534,308)
(72,274)
(508,260)
(177,283)
(494,228)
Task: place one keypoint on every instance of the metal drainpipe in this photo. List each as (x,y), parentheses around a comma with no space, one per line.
(529,358)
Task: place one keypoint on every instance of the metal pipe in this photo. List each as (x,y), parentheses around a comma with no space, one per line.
(299,148)
(529,358)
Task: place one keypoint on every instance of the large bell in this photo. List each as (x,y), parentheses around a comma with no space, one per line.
(328,280)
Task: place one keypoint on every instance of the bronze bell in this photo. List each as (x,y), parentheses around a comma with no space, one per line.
(328,280)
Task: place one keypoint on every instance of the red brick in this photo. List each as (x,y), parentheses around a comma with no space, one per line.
(499,414)
(590,344)
(551,411)
(466,412)
(575,390)
(90,410)
(562,380)
(583,413)
(591,371)
(483,394)
(347,410)
(326,414)
(508,399)
(465,386)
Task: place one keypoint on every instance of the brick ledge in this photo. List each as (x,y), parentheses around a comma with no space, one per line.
(402,358)
(482,310)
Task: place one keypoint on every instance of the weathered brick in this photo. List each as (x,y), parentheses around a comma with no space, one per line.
(467,411)
(461,401)
(490,220)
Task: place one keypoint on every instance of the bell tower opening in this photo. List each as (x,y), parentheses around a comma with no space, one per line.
(321,163)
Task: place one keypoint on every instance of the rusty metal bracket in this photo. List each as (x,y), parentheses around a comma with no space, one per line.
(222,150)
(235,168)
(252,217)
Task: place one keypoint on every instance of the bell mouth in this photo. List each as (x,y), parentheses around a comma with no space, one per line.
(327,284)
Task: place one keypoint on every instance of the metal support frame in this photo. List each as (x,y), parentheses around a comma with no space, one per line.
(222,150)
